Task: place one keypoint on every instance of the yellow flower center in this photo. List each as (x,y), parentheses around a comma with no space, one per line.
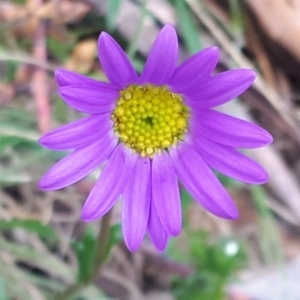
(150,118)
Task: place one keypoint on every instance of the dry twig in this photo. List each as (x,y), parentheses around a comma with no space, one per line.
(39,85)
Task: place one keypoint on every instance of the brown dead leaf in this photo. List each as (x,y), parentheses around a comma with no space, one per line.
(63,11)
(6,93)
(83,56)
(24,19)
(23,75)
(281,23)
(19,19)
(11,12)
(60,33)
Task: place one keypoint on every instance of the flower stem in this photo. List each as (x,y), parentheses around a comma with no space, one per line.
(101,249)
(102,242)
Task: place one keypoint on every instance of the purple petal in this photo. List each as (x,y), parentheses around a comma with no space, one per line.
(91,100)
(230,131)
(194,70)
(115,62)
(65,77)
(78,164)
(157,233)
(220,88)
(162,58)
(165,193)
(77,134)
(136,204)
(230,161)
(202,183)
(109,186)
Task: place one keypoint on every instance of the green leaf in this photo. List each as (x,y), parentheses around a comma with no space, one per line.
(113,7)
(61,51)
(187,27)
(13,129)
(12,67)
(23,118)
(236,16)
(52,264)
(215,261)
(186,198)
(3,295)
(138,64)
(87,247)
(115,237)
(269,234)
(86,252)
(14,179)
(227,181)
(61,110)
(44,231)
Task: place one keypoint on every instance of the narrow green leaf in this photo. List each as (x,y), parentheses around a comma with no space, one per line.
(187,27)
(113,7)
(52,264)
(12,67)
(59,50)
(18,116)
(44,231)
(61,110)
(86,251)
(115,237)
(17,130)
(14,179)
(236,16)
(269,234)
(3,295)
(227,181)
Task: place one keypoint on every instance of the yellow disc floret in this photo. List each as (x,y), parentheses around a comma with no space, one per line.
(150,118)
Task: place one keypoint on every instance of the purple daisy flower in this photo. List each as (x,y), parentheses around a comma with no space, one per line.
(152,131)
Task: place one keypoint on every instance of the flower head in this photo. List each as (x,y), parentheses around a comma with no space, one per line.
(152,131)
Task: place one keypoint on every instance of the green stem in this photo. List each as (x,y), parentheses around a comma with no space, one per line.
(102,242)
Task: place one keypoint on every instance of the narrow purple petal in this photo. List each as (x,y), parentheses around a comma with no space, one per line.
(109,186)
(77,134)
(195,70)
(220,88)
(165,193)
(230,131)
(201,182)
(115,62)
(229,161)
(136,204)
(66,77)
(162,58)
(91,100)
(157,233)
(78,164)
